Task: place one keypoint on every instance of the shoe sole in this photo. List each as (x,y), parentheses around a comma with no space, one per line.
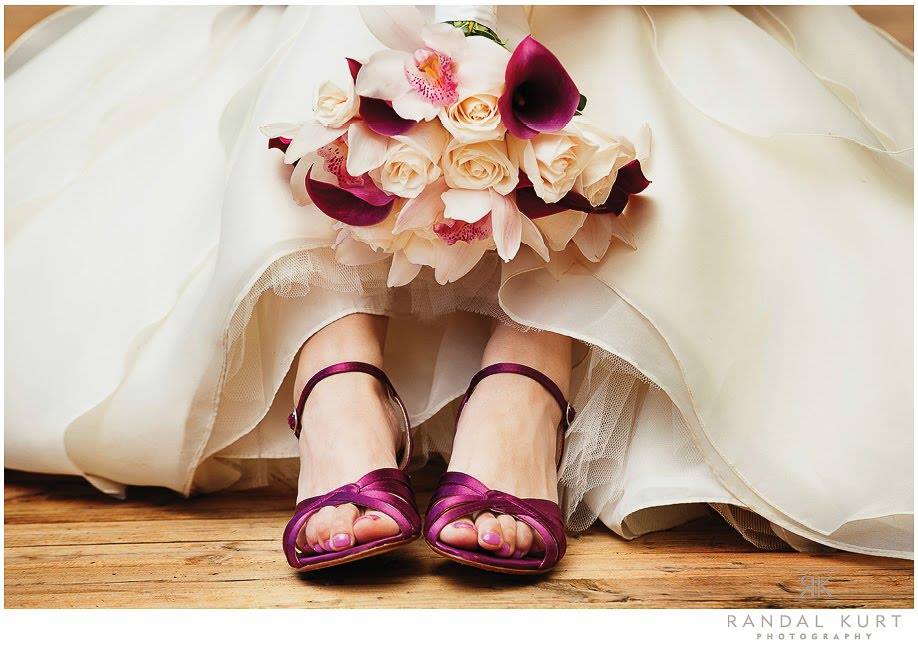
(360,555)
(490,568)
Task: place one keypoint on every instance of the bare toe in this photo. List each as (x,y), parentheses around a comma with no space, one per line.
(342,527)
(524,539)
(323,523)
(461,534)
(489,536)
(374,525)
(508,533)
(538,545)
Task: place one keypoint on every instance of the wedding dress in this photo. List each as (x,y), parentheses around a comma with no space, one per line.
(753,352)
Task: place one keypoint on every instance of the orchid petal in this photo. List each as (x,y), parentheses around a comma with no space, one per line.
(454,261)
(344,206)
(621,231)
(368,192)
(351,252)
(420,251)
(481,67)
(366,150)
(506,225)
(467,205)
(309,138)
(298,181)
(594,237)
(532,237)
(422,211)
(411,105)
(382,118)
(383,76)
(444,38)
(402,271)
(559,229)
(398,27)
(280,129)
(643,144)
(540,95)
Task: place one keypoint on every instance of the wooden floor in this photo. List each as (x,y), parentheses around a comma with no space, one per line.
(67,545)
(897,20)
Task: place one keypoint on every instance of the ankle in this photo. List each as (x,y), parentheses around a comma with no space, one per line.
(349,403)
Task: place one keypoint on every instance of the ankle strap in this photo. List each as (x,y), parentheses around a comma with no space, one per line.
(567,411)
(295,419)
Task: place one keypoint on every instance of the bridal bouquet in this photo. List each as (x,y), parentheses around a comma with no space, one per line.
(447,145)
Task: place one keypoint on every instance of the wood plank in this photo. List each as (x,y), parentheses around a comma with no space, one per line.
(69,546)
(17,19)
(897,20)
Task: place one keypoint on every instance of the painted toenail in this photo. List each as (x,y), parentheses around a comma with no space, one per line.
(517,554)
(317,548)
(504,550)
(491,538)
(463,525)
(341,541)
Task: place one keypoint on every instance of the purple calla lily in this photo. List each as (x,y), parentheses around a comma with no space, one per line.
(347,206)
(539,94)
(629,181)
(379,116)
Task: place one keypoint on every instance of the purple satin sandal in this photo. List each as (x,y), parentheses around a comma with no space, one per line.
(387,489)
(460,495)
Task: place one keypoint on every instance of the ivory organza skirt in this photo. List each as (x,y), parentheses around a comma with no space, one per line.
(753,353)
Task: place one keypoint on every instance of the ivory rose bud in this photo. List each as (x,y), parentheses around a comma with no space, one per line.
(480,165)
(552,161)
(474,118)
(333,106)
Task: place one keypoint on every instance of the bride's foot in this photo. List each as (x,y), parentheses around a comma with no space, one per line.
(349,429)
(507,438)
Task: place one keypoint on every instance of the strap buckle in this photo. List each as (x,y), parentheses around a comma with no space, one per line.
(569,414)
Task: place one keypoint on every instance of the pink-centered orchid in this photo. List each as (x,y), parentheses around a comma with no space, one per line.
(428,66)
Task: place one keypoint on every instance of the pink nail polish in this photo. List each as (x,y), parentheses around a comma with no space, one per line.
(504,550)
(341,540)
(491,538)
(463,525)
(517,554)
(317,548)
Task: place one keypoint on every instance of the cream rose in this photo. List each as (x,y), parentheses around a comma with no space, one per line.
(553,161)
(474,118)
(411,160)
(612,153)
(333,106)
(480,165)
